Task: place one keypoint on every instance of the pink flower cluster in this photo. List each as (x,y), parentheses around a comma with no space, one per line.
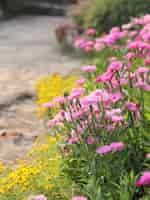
(89,44)
(99,109)
(113,147)
(116,103)
(118,74)
(137,40)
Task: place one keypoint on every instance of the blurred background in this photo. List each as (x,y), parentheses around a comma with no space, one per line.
(52,7)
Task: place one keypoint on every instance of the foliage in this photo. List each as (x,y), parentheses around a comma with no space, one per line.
(104,14)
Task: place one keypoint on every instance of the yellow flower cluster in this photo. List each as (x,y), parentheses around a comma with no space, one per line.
(1,167)
(19,177)
(53,86)
(39,170)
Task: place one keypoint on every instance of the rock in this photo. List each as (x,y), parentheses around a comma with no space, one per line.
(14,96)
(10,134)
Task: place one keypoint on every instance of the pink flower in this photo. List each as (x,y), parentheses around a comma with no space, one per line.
(139,45)
(129,65)
(73,140)
(57,120)
(99,46)
(76,93)
(144,179)
(91,32)
(79,198)
(115,29)
(48,105)
(89,68)
(147,61)
(123,81)
(81,130)
(146,19)
(143,85)
(113,147)
(117,119)
(114,35)
(38,197)
(115,66)
(103,150)
(110,113)
(60,100)
(117,146)
(90,140)
(142,70)
(104,77)
(79,43)
(132,106)
(148,155)
(77,115)
(129,56)
(115,97)
(90,100)
(81,81)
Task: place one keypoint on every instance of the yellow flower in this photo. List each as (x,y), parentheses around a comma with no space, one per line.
(51,87)
(1,167)
(2,190)
(38,171)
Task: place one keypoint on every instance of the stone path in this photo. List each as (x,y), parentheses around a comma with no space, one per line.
(28,50)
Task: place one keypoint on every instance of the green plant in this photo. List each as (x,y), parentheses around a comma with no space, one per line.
(104,14)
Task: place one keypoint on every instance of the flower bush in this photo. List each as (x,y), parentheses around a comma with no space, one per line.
(107,120)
